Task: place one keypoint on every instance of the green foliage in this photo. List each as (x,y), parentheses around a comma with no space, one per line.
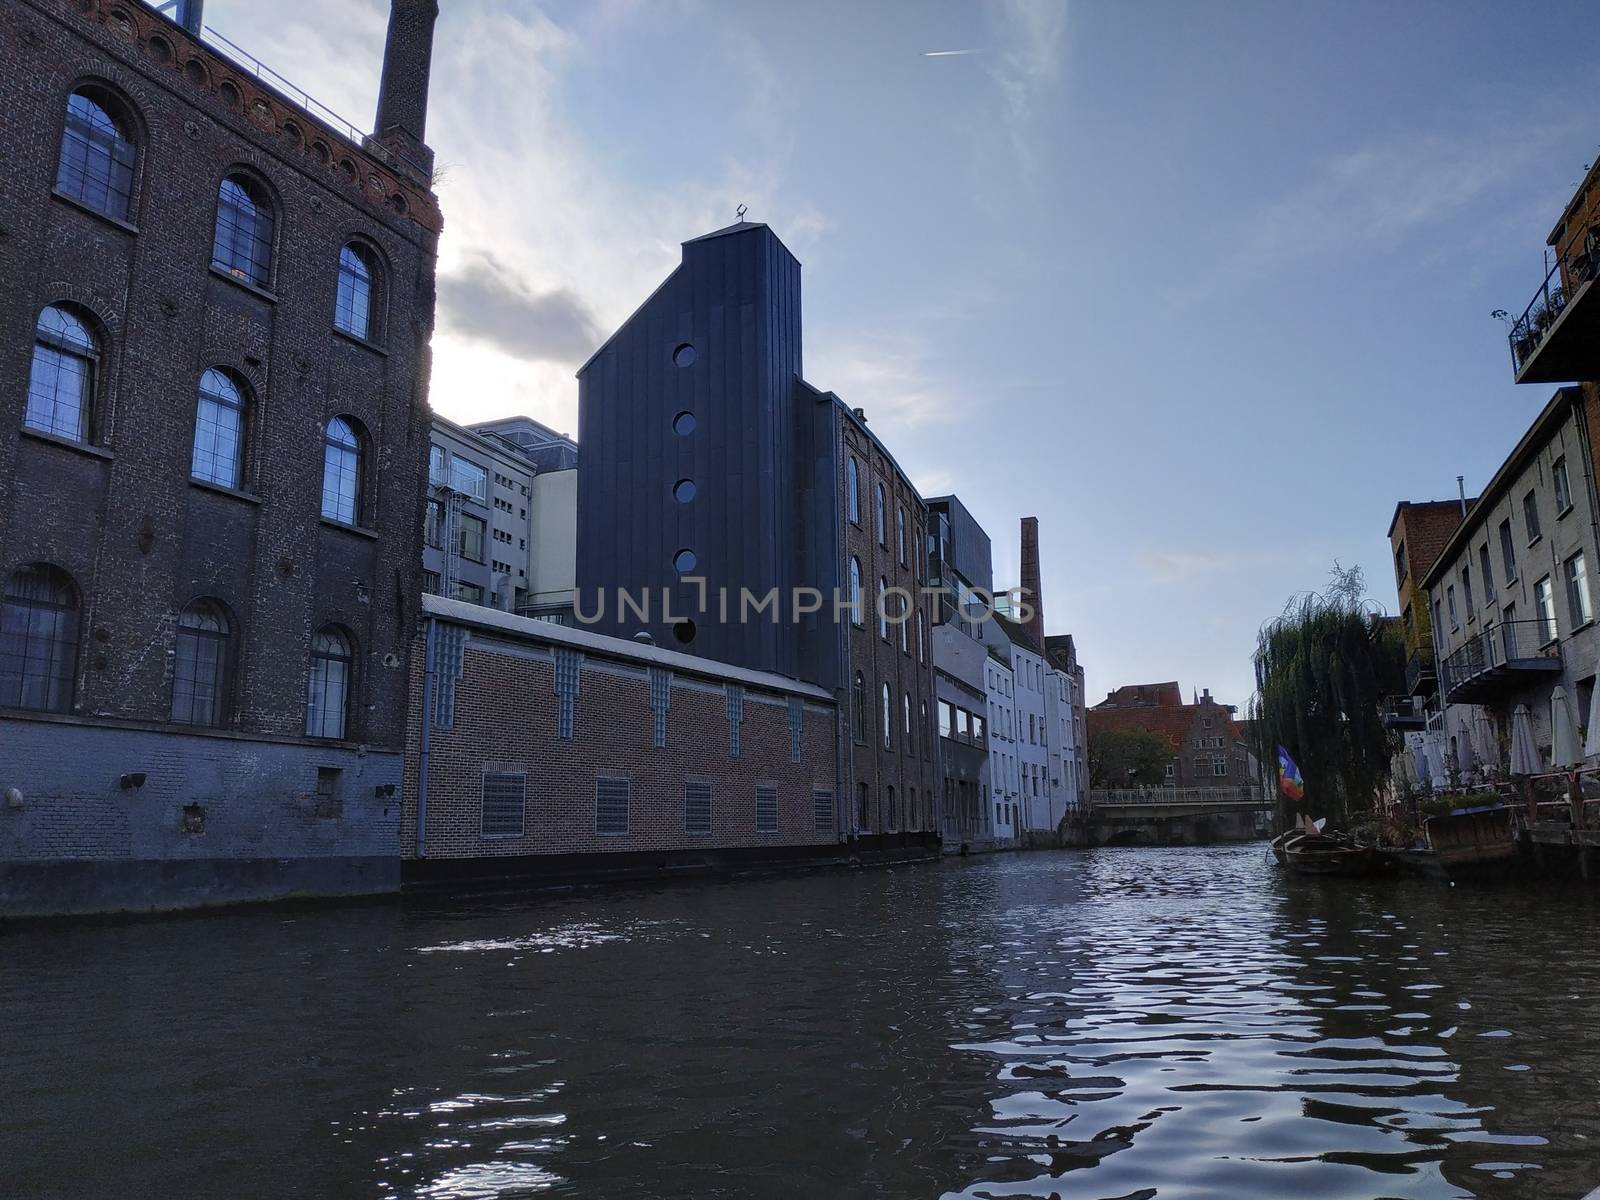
(1122,757)
(1322,669)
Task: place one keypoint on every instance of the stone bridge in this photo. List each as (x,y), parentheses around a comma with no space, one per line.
(1172,817)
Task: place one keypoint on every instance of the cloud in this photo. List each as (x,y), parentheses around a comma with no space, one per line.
(1032,32)
(1179,566)
(889,376)
(483,301)
(1374,197)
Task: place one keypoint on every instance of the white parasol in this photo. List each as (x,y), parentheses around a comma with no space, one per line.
(1486,739)
(1565,752)
(1524,753)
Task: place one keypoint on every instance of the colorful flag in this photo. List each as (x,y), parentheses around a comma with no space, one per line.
(1289,781)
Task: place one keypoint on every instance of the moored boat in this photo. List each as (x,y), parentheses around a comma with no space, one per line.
(1307,853)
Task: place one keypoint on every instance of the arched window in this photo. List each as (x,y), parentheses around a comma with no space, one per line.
(888,718)
(900,531)
(38,639)
(342,472)
(883,608)
(242,246)
(881,518)
(356,308)
(921,641)
(891,814)
(856,615)
(861,806)
(911,806)
(907,706)
(201,659)
(332,674)
(852,490)
(98,154)
(859,698)
(219,421)
(61,383)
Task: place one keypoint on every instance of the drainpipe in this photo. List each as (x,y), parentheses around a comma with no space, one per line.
(422,756)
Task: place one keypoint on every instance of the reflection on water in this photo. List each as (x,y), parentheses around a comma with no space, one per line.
(1116,1024)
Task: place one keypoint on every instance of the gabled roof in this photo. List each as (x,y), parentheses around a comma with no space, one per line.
(1144,696)
(736,227)
(1019,635)
(1171,721)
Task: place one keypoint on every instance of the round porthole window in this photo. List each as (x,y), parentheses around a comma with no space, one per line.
(684,631)
(683,424)
(684,355)
(684,561)
(683,491)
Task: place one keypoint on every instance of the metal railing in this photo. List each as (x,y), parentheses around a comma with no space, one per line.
(1528,331)
(1402,708)
(1420,664)
(1116,797)
(1498,646)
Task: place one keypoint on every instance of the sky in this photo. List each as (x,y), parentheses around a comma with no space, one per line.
(1205,287)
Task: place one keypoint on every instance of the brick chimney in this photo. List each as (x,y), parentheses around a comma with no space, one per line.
(403,91)
(1030,580)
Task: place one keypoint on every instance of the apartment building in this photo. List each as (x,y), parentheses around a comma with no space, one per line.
(500,524)
(959,563)
(1511,597)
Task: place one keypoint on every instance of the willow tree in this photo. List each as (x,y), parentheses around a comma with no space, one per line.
(1322,670)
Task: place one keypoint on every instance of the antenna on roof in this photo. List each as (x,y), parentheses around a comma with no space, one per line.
(738,213)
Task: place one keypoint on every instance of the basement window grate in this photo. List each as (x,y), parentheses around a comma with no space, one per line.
(611,802)
(766,808)
(697,808)
(505,801)
(822,809)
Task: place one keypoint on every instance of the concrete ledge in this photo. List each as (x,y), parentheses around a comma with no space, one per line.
(86,887)
(518,872)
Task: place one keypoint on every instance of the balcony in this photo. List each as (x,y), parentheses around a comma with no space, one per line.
(1498,659)
(1403,712)
(1557,338)
(1421,678)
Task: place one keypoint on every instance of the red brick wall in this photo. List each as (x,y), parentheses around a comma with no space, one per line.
(506,719)
(907,764)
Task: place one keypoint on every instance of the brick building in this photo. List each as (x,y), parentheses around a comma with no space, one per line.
(625,758)
(1418,531)
(213,431)
(713,472)
(1208,747)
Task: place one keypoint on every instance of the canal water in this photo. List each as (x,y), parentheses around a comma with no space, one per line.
(1106,1024)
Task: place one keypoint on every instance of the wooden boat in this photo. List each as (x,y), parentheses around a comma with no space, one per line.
(1464,845)
(1326,854)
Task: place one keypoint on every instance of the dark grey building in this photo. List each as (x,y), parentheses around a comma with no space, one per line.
(959,561)
(714,477)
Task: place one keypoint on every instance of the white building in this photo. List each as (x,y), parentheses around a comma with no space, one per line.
(501,518)
(1005,762)
(1065,762)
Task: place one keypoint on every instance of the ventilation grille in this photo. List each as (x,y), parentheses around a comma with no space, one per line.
(505,797)
(766,809)
(697,808)
(822,808)
(611,807)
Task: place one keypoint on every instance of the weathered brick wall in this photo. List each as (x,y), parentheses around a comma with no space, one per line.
(505,719)
(907,764)
(121,516)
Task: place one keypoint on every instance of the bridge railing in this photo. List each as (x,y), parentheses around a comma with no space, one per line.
(1119,797)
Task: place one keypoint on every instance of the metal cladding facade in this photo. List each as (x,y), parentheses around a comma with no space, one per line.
(718,345)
